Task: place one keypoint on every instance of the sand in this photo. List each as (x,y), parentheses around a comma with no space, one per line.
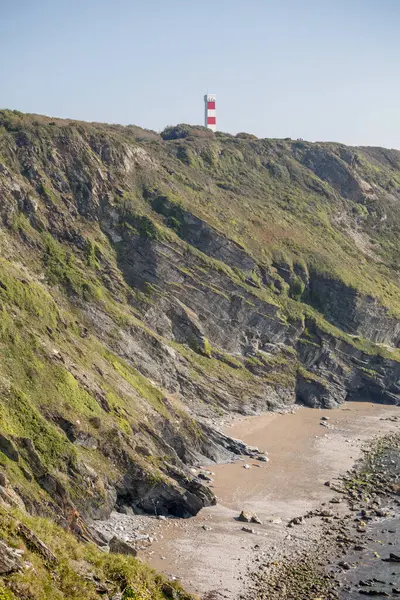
(303,456)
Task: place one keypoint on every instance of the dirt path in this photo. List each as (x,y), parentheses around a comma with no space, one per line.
(210,551)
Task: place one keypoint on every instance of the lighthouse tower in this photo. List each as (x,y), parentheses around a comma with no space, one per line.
(210,119)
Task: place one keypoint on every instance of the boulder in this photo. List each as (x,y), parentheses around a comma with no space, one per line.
(295,521)
(392,558)
(10,561)
(10,497)
(245,517)
(204,477)
(35,544)
(121,547)
(7,447)
(256,519)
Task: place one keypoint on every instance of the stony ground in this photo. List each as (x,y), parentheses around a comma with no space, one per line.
(355,547)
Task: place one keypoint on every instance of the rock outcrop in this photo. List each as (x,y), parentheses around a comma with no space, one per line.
(151,284)
(10,561)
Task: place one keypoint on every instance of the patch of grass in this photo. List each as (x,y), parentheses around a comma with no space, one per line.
(62,268)
(19,416)
(309,375)
(144,388)
(207,349)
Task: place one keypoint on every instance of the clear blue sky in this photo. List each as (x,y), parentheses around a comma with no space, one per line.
(316,69)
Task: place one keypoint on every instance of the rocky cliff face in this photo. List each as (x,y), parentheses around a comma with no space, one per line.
(151,284)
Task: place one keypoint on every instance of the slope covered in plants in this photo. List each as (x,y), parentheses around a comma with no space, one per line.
(150,284)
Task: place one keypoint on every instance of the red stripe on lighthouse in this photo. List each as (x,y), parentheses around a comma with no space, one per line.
(210,119)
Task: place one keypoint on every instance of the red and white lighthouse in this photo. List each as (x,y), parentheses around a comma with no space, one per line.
(210,118)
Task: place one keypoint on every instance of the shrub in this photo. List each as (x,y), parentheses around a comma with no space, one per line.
(182,130)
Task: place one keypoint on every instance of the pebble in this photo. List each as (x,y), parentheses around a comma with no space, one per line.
(248,530)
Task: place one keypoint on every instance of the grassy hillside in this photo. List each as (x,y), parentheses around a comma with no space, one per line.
(65,568)
(151,283)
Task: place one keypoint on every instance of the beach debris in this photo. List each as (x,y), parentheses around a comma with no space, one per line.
(263,458)
(248,530)
(246,466)
(295,521)
(207,528)
(323,513)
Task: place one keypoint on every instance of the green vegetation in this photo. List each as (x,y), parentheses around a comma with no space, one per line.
(260,241)
(139,383)
(63,268)
(79,569)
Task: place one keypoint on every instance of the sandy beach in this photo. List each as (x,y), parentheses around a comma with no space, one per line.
(211,553)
